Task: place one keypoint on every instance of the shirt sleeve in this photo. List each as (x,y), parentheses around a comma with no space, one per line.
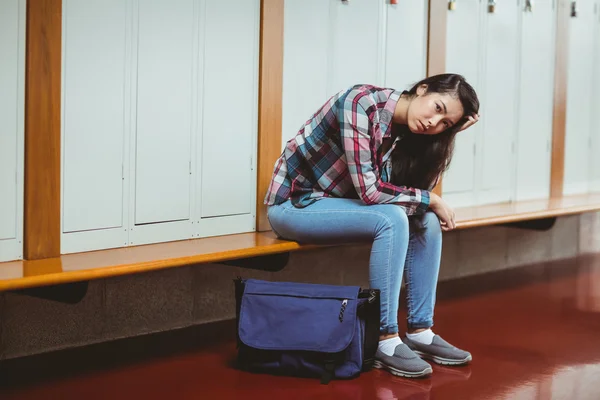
(356,130)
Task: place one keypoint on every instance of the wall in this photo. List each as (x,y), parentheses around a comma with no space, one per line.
(138,304)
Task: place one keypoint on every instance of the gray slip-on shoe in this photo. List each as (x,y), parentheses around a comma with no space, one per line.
(439,351)
(403,363)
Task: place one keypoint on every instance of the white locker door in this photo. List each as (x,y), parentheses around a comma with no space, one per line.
(356,55)
(12,67)
(406,59)
(500,103)
(580,94)
(536,101)
(94,123)
(595,131)
(230,101)
(463,51)
(305,61)
(165,83)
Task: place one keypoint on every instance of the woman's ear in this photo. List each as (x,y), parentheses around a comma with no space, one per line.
(422,89)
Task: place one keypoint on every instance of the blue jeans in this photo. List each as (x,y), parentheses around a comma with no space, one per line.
(395,251)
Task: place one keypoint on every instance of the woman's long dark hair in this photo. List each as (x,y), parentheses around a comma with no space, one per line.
(418,160)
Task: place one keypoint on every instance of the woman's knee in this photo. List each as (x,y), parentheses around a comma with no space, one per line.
(431,223)
(394,217)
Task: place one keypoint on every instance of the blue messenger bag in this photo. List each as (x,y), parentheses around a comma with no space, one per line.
(311,330)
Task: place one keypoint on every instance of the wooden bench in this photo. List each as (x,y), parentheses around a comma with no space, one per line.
(241,249)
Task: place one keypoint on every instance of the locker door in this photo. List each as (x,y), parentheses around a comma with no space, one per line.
(405,59)
(165,84)
(356,52)
(463,57)
(536,94)
(500,104)
(95,101)
(580,94)
(305,60)
(595,133)
(230,101)
(12,67)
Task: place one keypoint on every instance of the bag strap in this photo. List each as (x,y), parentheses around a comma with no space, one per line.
(240,286)
(372,321)
(329,371)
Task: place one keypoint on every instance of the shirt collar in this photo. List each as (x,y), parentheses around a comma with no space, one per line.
(387,113)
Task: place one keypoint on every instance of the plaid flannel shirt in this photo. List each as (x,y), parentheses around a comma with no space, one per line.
(335,154)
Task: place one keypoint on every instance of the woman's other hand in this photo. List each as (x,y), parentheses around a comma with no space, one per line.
(444,212)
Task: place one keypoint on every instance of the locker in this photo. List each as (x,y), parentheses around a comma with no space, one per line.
(536,100)
(165,79)
(12,72)
(94,99)
(500,91)
(463,56)
(580,95)
(160,121)
(406,44)
(230,102)
(357,44)
(595,133)
(305,62)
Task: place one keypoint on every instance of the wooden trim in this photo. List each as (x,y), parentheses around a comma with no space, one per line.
(269,99)
(42,129)
(436,47)
(560,99)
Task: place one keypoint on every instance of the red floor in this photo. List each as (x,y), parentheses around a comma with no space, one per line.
(534,334)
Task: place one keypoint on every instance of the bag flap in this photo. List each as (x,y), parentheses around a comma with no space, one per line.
(297,316)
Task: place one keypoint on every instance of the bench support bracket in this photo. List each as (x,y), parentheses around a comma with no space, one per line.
(542,224)
(69,293)
(270,263)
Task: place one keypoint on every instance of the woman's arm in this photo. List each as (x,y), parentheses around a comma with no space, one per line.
(356,130)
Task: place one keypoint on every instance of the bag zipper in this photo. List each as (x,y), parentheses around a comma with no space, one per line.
(344,304)
(372,296)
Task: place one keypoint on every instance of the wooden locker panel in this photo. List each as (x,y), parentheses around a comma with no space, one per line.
(463,57)
(230,102)
(500,103)
(305,61)
(357,44)
(536,91)
(94,99)
(580,95)
(12,73)
(405,59)
(166,58)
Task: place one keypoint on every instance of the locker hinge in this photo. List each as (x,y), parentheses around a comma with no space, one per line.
(190,167)
(251,163)
(122,172)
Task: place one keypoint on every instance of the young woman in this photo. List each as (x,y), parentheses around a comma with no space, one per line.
(362,168)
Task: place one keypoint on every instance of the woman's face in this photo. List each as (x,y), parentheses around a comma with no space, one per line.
(433,113)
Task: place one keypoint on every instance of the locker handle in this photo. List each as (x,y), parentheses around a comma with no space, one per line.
(491,6)
(573,9)
(452,5)
(528,6)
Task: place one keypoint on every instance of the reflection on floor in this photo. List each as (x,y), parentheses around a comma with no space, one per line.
(534,333)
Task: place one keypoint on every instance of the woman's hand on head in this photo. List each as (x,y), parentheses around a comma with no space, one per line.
(471,120)
(444,212)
